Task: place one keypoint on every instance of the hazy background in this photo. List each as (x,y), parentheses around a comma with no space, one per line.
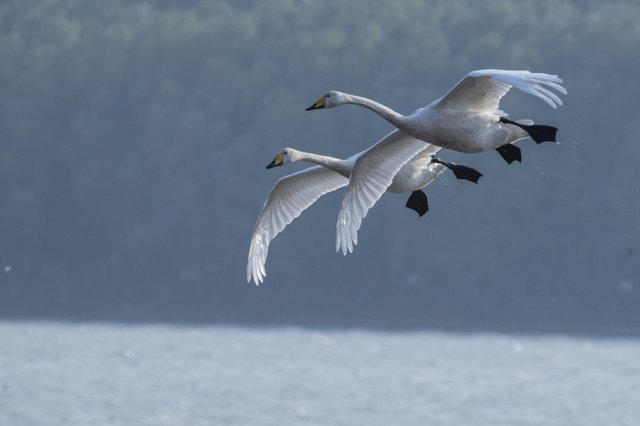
(134,136)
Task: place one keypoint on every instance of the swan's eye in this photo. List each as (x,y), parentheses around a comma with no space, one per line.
(328,95)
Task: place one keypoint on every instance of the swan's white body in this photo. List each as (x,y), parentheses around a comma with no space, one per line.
(467,118)
(398,163)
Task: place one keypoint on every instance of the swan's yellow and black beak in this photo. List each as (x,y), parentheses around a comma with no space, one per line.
(276,161)
(320,103)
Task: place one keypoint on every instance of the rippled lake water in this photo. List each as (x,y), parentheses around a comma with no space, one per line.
(105,374)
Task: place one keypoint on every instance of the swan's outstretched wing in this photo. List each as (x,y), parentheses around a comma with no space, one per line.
(482,90)
(372,174)
(290,196)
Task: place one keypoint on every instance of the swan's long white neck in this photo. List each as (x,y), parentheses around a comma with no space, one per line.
(331,163)
(397,119)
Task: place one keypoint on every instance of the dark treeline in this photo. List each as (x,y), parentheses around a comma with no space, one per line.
(134,136)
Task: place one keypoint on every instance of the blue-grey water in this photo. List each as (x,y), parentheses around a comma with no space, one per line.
(104,374)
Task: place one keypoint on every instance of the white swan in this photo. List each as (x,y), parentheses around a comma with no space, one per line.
(404,164)
(467,118)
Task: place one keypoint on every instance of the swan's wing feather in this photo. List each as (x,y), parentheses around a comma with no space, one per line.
(482,90)
(372,174)
(290,196)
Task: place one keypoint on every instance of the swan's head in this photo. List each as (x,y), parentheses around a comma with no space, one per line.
(287,155)
(331,99)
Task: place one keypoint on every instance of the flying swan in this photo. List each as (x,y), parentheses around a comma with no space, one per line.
(404,164)
(467,118)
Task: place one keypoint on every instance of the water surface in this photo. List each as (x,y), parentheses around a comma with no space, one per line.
(105,374)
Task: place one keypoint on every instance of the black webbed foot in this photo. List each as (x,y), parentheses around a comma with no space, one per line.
(418,201)
(538,132)
(460,171)
(510,153)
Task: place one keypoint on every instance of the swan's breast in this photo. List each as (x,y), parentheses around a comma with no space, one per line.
(416,174)
(458,130)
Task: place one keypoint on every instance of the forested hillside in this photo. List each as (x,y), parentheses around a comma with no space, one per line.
(134,135)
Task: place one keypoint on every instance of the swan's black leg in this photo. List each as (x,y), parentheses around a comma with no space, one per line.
(538,132)
(510,153)
(418,201)
(461,172)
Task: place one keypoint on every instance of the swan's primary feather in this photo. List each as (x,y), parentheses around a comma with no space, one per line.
(481,90)
(371,176)
(290,196)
